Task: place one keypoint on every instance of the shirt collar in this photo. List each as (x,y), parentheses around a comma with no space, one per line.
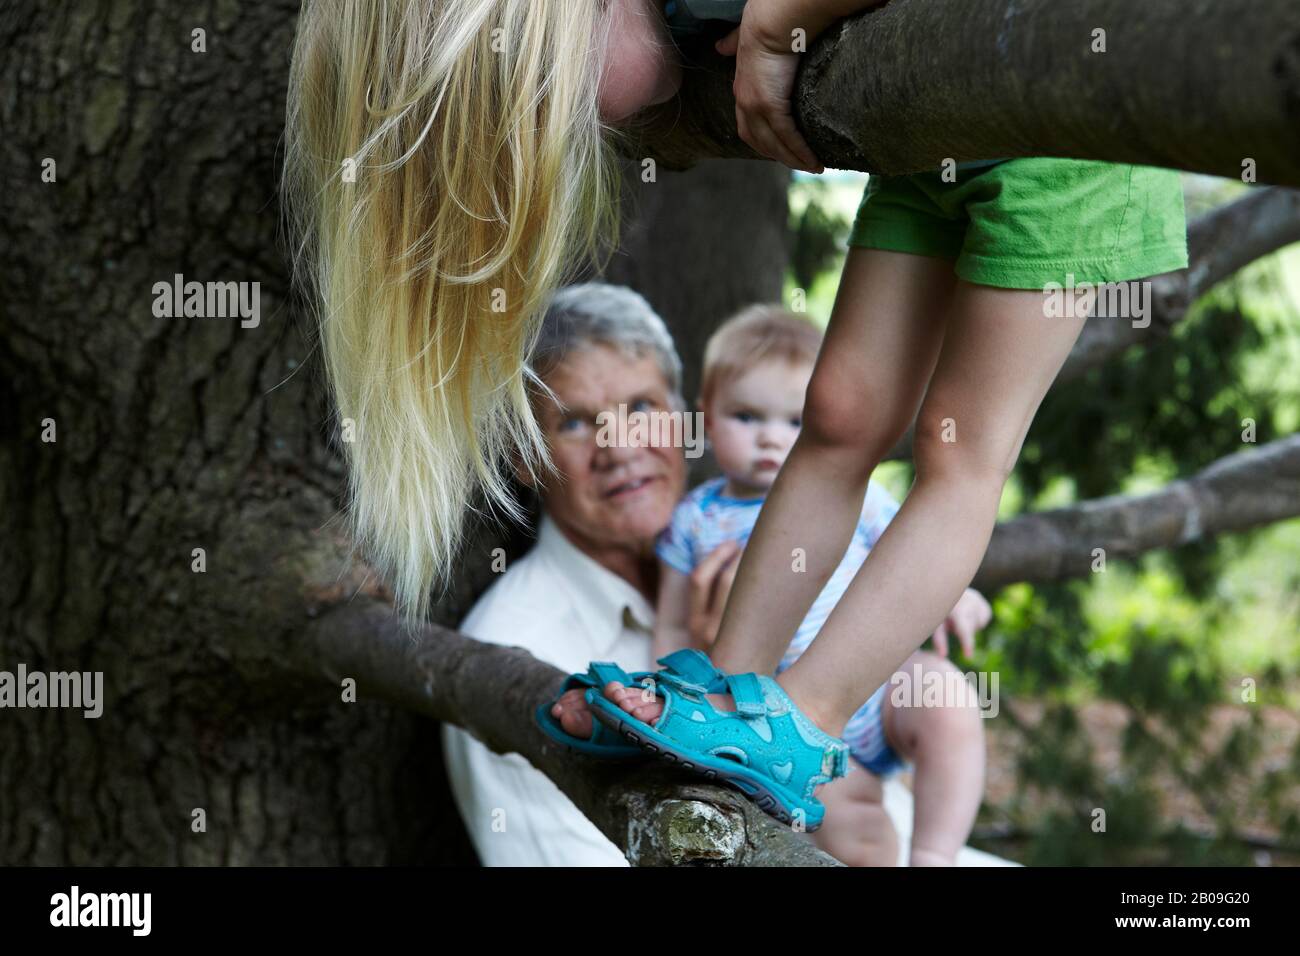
(602,598)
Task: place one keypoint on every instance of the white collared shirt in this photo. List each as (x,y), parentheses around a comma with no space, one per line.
(565,609)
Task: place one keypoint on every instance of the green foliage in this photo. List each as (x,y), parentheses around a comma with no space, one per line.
(1192,770)
(1173,688)
(819,233)
(1162,412)
(1163,638)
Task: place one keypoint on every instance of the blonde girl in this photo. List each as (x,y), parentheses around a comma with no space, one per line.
(480,134)
(447,164)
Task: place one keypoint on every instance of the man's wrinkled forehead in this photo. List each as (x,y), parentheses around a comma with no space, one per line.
(599,377)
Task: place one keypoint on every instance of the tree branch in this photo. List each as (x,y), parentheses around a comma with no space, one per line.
(655,815)
(1245,490)
(1201,85)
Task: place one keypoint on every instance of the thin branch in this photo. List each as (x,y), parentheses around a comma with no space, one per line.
(1245,490)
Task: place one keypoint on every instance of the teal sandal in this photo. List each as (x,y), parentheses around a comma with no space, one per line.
(767,748)
(690,666)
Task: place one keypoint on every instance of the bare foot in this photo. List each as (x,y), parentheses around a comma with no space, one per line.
(571,710)
(645,705)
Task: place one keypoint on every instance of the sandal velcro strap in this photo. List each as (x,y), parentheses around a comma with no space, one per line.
(668,676)
(748,694)
(693,667)
(839,761)
(606,671)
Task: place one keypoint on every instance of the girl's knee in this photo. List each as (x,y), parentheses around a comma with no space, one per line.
(943,450)
(844,413)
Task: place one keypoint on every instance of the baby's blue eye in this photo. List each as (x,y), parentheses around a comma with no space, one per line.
(745,417)
(641,405)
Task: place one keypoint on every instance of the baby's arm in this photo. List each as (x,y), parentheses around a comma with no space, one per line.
(766,64)
(672,615)
(969,616)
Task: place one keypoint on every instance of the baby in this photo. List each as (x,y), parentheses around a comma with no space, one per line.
(756,370)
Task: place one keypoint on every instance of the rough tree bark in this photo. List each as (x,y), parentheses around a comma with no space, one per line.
(1202,85)
(172,435)
(177,434)
(223,687)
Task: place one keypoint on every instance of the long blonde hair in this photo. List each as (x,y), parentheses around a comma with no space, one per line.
(445,164)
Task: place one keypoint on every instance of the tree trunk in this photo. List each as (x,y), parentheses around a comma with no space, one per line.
(702,245)
(174,434)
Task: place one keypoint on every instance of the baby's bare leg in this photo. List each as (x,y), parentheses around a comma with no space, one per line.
(946,745)
(856,830)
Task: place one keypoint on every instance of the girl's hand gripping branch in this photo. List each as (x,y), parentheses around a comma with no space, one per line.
(766,45)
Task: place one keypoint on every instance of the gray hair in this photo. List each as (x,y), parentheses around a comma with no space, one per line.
(595,313)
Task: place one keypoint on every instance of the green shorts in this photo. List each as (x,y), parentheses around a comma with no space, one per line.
(1024,223)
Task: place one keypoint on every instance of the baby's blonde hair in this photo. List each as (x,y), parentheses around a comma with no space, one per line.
(756,334)
(445,165)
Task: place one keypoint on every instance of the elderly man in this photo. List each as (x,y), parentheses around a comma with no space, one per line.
(586,590)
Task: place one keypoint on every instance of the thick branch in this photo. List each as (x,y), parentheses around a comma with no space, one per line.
(1245,490)
(1201,85)
(655,815)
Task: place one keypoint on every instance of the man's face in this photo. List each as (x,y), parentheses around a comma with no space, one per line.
(603,497)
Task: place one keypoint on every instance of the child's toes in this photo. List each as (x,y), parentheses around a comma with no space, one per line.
(576,723)
(647,713)
(562,703)
(637,701)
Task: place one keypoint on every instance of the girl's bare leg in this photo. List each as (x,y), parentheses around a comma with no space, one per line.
(879,352)
(999,356)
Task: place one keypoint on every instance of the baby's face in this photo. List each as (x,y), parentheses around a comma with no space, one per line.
(753,421)
(641,66)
